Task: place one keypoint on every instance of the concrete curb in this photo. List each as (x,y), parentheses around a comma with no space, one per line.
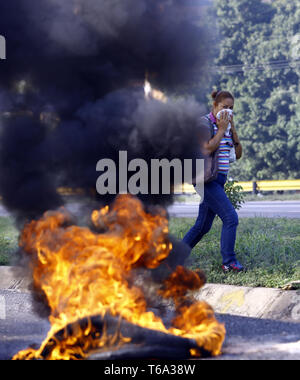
(264,303)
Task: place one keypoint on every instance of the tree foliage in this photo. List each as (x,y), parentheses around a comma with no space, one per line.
(235,193)
(258,60)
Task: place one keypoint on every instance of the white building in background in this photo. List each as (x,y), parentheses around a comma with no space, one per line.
(2,47)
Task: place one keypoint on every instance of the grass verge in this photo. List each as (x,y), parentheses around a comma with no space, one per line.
(8,240)
(269,248)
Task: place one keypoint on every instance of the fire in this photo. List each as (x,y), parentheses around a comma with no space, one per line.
(151,92)
(86,272)
(147,88)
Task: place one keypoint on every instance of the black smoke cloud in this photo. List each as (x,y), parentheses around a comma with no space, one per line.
(83,62)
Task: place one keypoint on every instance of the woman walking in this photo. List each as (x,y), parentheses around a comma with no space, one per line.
(215,200)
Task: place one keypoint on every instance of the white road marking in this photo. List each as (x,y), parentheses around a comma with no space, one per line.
(2,308)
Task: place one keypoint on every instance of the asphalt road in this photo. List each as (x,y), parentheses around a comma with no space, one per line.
(274,209)
(246,338)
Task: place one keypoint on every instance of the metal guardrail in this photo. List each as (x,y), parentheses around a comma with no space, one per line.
(275,185)
(256,186)
(69,191)
(250,186)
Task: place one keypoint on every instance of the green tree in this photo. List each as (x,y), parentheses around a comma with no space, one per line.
(256,43)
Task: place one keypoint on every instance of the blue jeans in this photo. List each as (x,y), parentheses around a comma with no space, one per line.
(215,203)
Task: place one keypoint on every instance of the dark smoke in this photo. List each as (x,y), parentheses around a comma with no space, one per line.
(71,92)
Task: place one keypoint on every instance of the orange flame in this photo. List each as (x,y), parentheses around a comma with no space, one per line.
(151,92)
(84,273)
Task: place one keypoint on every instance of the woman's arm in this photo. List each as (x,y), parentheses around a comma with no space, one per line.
(213,144)
(236,141)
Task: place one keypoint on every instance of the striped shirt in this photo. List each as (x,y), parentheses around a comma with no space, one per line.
(225,145)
